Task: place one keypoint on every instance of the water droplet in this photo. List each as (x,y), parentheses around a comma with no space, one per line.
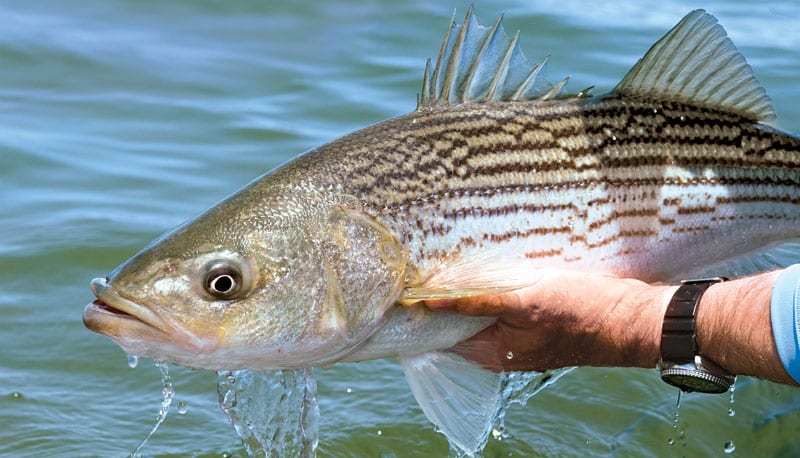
(729,447)
(731,412)
(380,433)
(133,361)
(182,407)
(510,355)
(676,420)
(229,399)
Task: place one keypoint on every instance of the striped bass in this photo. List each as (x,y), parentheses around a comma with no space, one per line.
(673,173)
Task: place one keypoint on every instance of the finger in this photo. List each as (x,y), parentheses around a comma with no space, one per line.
(441,305)
(489,305)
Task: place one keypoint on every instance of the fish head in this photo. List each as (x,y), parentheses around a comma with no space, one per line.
(257,282)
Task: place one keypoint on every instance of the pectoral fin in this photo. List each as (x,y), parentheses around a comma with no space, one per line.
(461,398)
(470,276)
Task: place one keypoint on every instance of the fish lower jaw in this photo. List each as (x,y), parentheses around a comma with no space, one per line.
(194,355)
(136,337)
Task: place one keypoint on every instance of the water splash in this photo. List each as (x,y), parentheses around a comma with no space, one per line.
(729,447)
(274,413)
(517,388)
(167,393)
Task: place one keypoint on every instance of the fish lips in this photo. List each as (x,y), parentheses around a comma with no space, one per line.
(133,326)
(140,330)
(111,309)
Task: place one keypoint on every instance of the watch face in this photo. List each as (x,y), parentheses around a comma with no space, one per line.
(689,380)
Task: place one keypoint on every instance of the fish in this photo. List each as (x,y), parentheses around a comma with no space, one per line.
(674,173)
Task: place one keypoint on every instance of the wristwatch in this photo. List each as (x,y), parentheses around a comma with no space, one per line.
(681,363)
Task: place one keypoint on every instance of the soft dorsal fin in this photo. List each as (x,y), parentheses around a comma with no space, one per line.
(697,63)
(478,64)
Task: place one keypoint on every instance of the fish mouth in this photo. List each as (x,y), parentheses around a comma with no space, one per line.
(111,312)
(140,330)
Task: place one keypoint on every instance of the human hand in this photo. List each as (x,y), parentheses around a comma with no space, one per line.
(566,318)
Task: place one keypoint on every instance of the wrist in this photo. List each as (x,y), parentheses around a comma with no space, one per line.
(638,316)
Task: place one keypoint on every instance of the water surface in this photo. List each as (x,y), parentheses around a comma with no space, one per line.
(120,119)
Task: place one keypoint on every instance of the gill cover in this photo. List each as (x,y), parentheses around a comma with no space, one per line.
(364,271)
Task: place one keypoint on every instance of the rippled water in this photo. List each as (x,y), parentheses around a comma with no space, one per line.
(119,119)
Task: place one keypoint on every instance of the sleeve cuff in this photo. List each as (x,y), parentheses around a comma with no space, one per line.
(785,317)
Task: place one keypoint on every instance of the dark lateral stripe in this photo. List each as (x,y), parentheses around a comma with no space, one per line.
(504,210)
(544,254)
(695,210)
(506,236)
(757,216)
(691,229)
(740,199)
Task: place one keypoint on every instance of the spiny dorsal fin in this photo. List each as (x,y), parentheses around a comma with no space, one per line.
(697,63)
(479,64)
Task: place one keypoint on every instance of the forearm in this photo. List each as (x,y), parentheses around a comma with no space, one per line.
(734,327)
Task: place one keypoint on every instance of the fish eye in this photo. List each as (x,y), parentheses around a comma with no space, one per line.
(223,281)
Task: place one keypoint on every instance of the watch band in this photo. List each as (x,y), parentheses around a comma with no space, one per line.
(678,333)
